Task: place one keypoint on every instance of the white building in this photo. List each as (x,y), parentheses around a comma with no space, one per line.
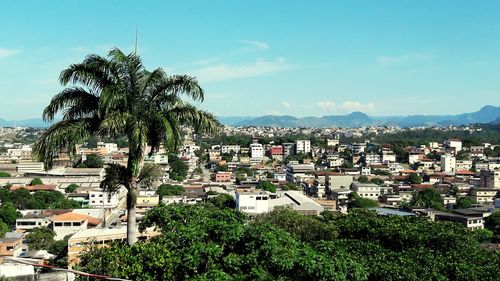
(107,147)
(256,151)
(332,142)
(454,143)
(358,147)
(230,147)
(302,146)
(252,201)
(490,179)
(448,163)
(101,199)
(388,156)
(366,190)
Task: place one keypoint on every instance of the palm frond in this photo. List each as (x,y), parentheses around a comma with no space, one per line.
(150,173)
(80,102)
(116,177)
(62,137)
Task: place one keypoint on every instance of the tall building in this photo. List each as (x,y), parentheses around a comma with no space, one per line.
(302,146)
(256,151)
(490,178)
(448,163)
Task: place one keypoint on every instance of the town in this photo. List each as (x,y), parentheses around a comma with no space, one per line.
(49,216)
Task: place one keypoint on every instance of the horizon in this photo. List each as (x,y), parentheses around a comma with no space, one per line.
(406,58)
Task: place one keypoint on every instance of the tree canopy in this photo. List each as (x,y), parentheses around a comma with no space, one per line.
(204,242)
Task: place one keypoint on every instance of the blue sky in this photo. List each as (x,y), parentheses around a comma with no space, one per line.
(304,58)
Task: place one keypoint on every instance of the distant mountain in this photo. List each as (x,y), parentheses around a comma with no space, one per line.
(486,114)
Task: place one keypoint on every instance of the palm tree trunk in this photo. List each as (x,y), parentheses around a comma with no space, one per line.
(131,218)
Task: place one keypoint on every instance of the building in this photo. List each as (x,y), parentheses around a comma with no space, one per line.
(223,176)
(33,220)
(288,149)
(26,167)
(147,200)
(302,146)
(366,190)
(332,142)
(490,178)
(252,201)
(472,220)
(373,158)
(358,147)
(484,195)
(448,163)
(70,223)
(388,156)
(455,144)
(294,170)
(11,244)
(101,199)
(230,147)
(256,151)
(276,152)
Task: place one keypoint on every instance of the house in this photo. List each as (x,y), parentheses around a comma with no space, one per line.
(471,220)
(70,223)
(366,190)
(484,195)
(252,201)
(34,219)
(223,176)
(11,244)
(101,199)
(147,200)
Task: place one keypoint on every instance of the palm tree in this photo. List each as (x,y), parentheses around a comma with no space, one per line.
(116,96)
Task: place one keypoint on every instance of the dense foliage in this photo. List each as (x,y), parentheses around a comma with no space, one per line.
(206,242)
(42,238)
(23,199)
(169,190)
(4,174)
(178,169)
(91,161)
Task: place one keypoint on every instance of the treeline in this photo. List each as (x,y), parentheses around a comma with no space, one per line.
(212,242)
(488,134)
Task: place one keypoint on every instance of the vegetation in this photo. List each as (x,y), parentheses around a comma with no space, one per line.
(36,181)
(4,228)
(117,97)
(42,238)
(267,186)
(178,169)
(363,179)
(356,201)
(71,188)
(91,161)
(9,213)
(414,178)
(209,243)
(169,190)
(23,199)
(4,174)
(493,224)
(464,202)
(428,198)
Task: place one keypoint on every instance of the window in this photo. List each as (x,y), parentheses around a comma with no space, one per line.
(77,223)
(67,224)
(58,224)
(10,248)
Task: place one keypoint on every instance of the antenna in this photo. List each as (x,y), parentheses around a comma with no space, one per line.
(136,35)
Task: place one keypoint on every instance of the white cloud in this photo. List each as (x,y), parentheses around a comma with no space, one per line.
(407,58)
(357,106)
(255,44)
(345,107)
(326,105)
(4,52)
(227,72)
(285,104)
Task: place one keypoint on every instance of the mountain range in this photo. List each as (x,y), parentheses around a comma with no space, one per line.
(487,114)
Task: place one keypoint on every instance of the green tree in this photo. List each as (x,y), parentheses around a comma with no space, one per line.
(92,161)
(414,178)
(169,190)
(464,202)
(178,169)
(36,181)
(356,201)
(267,186)
(39,238)
(363,179)
(4,228)
(222,201)
(378,181)
(71,188)
(116,96)
(4,174)
(428,198)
